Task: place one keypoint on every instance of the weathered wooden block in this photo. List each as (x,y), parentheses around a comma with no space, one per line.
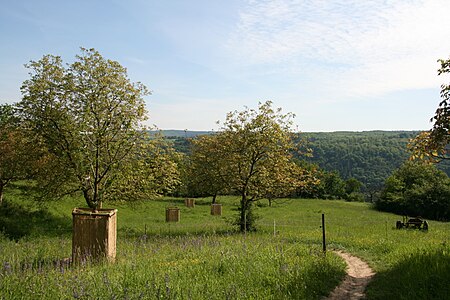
(189,202)
(94,234)
(216,209)
(172,214)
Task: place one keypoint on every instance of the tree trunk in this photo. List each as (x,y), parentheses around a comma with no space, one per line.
(214,199)
(88,199)
(95,204)
(1,192)
(243,216)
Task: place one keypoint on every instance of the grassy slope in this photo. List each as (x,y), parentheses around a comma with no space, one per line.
(409,263)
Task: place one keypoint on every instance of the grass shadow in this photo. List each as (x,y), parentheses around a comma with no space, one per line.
(18,221)
(418,276)
(315,281)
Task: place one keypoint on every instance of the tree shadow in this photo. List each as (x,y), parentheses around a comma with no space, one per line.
(313,282)
(18,221)
(180,201)
(139,234)
(420,275)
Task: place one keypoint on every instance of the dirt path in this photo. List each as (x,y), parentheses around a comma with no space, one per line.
(358,276)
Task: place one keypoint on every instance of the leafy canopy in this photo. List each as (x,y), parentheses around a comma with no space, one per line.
(19,155)
(433,145)
(417,189)
(250,156)
(89,115)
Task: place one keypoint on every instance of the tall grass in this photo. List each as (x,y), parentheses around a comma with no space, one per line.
(202,257)
(420,274)
(183,267)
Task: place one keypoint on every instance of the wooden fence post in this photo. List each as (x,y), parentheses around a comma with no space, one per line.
(324,245)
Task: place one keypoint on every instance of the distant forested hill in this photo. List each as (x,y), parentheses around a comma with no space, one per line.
(368,156)
(183,133)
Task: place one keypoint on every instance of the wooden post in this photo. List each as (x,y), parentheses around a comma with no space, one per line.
(274,229)
(324,245)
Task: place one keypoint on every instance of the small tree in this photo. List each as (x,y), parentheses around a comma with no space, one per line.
(203,170)
(417,189)
(89,115)
(252,154)
(333,186)
(353,190)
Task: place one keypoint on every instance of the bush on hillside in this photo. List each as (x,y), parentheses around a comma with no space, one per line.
(417,189)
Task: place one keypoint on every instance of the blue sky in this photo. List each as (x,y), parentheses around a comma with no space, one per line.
(338,65)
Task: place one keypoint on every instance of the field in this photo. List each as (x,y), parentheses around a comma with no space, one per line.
(202,257)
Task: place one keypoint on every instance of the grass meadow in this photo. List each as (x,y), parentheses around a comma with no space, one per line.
(203,257)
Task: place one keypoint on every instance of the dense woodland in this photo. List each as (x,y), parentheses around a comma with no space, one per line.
(369,156)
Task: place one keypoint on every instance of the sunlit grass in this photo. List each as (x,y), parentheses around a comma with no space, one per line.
(203,257)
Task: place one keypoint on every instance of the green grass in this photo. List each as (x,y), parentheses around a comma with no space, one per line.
(200,267)
(202,257)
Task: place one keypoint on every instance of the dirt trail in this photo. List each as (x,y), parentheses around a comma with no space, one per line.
(358,276)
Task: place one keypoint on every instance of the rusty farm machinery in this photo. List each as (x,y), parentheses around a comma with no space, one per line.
(413,223)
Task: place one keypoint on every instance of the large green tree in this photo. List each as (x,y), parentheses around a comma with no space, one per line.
(89,114)
(417,189)
(250,156)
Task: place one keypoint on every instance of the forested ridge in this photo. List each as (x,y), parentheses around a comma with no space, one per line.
(368,156)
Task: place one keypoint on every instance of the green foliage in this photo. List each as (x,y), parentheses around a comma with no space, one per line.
(204,168)
(89,115)
(153,170)
(353,190)
(20,154)
(370,157)
(329,185)
(7,116)
(251,156)
(432,145)
(417,189)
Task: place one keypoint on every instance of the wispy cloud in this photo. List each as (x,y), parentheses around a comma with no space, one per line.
(365,47)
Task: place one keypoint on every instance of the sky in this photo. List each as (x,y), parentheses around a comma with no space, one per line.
(338,65)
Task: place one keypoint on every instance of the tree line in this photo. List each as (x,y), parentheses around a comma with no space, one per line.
(79,130)
(369,157)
